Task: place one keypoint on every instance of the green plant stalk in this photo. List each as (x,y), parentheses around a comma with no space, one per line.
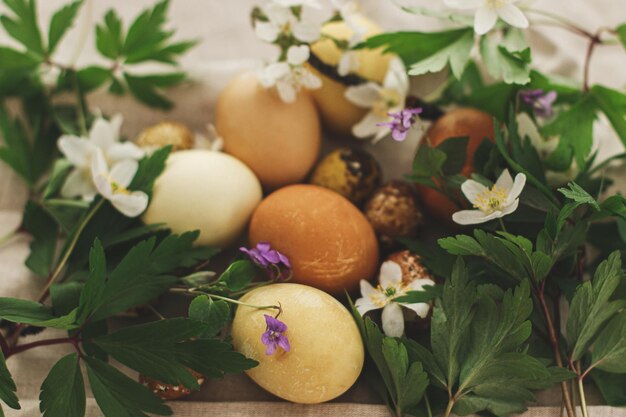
(581,390)
(195,291)
(449,408)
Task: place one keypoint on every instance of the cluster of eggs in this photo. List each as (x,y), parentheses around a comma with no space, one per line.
(330,219)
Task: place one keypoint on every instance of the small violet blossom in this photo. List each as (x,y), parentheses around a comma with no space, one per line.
(391,287)
(491,203)
(273,261)
(274,335)
(402,122)
(540,101)
(488,12)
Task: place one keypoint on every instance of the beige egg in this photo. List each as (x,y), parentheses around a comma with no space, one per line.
(279,141)
(207,191)
(326,355)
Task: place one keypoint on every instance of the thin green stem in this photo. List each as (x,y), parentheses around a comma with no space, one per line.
(194,291)
(502,225)
(581,390)
(428,409)
(565,22)
(68,250)
(6,238)
(449,408)
(82,120)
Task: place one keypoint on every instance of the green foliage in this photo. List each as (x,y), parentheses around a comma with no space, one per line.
(213,314)
(238,275)
(23,26)
(621,31)
(505,59)
(32,312)
(428,52)
(63,390)
(576,193)
(44,230)
(61,22)
(7,386)
(609,349)
(613,104)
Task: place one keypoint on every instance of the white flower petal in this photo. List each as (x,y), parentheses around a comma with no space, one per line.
(467,217)
(510,208)
(116,125)
(266,31)
(367,127)
(298,55)
(513,15)
(126,150)
(130,205)
(390,275)
(485,19)
(348,63)
(306,31)
(463,4)
(419,284)
(397,79)
(310,80)
(421,309)
(393,320)
(77,150)
(269,75)
(471,189)
(364,305)
(517,188)
(78,184)
(364,95)
(123,172)
(102,134)
(290,3)
(286,91)
(278,14)
(505,181)
(100,174)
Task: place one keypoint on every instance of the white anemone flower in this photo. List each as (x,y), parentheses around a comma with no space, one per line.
(349,12)
(113,185)
(381,99)
(491,203)
(488,12)
(289,77)
(283,21)
(79,151)
(391,287)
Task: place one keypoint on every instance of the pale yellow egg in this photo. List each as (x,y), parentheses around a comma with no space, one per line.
(338,114)
(207,191)
(326,355)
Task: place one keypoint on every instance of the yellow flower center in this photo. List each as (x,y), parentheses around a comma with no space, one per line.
(117,188)
(491,200)
(495,4)
(383,296)
(389,99)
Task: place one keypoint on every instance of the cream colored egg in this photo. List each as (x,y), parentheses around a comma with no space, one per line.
(207,191)
(326,355)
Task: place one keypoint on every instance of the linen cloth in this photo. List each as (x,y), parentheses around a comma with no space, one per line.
(228,47)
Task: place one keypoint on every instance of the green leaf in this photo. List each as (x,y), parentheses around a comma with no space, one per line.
(502,63)
(576,193)
(59,172)
(119,396)
(455,150)
(65,296)
(16,152)
(10,59)
(162,350)
(591,309)
(213,314)
(611,386)
(32,312)
(613,104)
(146,29)
(428,52)
(23,27)
(426,294)
(92,77)
(63,390)
(66,213)
(109,36)
(410,380)
(461,245)
(239,274)
(609,349)
(428,161)
(574,127)
(7,385)
(146,91)
(61,22)
(621,31)
(149,170)
(44,230)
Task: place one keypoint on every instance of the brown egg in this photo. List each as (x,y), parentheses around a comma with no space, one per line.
(474,123)
(353,173)
(329,242)
(170,392)
(166,133)
(411,264)
(394,212)
(279,141)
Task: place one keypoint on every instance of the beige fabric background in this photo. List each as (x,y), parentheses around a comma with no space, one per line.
(229,46)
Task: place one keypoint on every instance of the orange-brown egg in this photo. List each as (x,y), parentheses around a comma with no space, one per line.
(329,242)
(279,141)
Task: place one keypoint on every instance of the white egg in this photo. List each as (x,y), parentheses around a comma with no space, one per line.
(207,191)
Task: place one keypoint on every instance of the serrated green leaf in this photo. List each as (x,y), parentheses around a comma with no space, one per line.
(426,294)
(32,312)
(63,390)
(213,314)
(418,353)
(149,170)
(146,29)
(59,172)
(428,161)
(147,92)
(94,287)
(576,193)
(10,59)
(16,152)
(590,308)
(239,274)
(109,35)
(613,104)
(119,396)
(24,27)
(503,63)
(609,348)
(461,245)
(44,230)
(7,385)
(92,77)
(621,31)
(611,386)
(61,22)
(409,379)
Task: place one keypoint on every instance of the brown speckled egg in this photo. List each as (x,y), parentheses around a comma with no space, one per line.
(329,242)
(353,173)
(411,265)
(170,392)
(166,133)
(394,212)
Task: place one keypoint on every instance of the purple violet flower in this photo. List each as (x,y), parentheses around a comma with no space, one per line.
(274,335)
(540,101)
(276,264)
(401,122)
